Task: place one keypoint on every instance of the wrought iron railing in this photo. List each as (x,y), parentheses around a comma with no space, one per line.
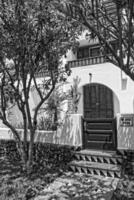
(46,73)
(87,61)
(78,63)
(42,74)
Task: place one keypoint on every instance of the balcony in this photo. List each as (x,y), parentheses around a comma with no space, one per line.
(77,63)
(42,74)
(88,61)
(47,73)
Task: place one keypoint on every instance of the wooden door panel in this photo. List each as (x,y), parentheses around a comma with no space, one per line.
(98,101)
(100,134)
(98,111)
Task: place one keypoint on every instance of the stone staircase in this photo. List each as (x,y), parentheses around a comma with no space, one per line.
(100,163)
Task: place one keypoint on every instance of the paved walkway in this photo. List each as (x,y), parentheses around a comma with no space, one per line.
(75,186)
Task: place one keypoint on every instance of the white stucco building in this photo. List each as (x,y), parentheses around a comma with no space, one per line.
(105,111)
(106,105)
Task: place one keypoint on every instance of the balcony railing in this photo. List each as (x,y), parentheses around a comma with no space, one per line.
(42,74)
(46,73)
(88,61)
(78,63)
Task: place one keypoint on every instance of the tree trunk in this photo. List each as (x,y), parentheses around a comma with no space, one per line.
(22,153)
(30,152)
(19,143)
(24,159)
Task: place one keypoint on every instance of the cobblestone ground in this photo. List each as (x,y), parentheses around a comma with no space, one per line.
(75,186)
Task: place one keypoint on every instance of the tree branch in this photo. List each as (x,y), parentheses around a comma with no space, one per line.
(100,37)
(131,2)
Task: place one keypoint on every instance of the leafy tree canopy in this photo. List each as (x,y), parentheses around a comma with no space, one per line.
(107,20)
(34,36)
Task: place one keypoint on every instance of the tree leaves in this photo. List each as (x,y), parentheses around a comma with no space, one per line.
(107,20)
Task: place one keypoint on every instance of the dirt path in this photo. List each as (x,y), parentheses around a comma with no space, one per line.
(77,186)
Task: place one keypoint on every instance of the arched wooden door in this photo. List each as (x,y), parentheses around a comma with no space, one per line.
(99,123)
(98,101)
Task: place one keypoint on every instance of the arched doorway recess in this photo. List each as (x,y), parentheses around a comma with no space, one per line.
(98,101)
(99,123)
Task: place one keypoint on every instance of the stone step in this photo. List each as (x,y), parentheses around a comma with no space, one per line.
(95,168)
(98,156)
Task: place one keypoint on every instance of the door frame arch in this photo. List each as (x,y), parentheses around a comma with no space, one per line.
(107,91)
(99,132)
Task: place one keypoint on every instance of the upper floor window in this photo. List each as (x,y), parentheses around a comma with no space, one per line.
(94,51)
(85,52)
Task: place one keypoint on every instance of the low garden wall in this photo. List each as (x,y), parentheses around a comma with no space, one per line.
(49,146)
(69,133)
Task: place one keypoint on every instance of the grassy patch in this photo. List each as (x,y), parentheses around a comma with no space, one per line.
(49,159)
(15,185)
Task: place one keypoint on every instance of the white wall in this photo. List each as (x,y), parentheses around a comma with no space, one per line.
(70,133)
(107,74)
(123,90)
(110,76)
(125,134)
(123,95)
